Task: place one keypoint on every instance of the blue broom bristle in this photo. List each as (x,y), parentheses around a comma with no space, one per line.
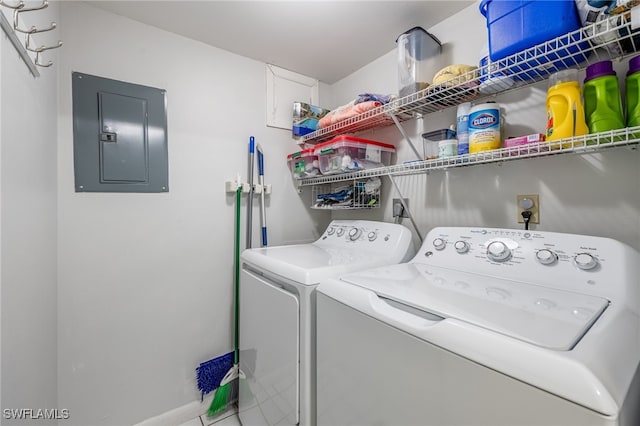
(210,373)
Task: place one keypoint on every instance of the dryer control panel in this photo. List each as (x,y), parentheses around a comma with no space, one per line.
(370,236)
(593,265)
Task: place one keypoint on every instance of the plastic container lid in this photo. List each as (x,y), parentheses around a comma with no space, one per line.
(344,140)
(438,135)
(417,32)
(303,153)
(634,65)
(599,69)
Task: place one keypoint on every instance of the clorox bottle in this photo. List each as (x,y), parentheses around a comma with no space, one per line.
(485,130)
(565,111)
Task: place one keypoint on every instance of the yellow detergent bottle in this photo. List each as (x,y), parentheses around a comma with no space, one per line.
(565,110)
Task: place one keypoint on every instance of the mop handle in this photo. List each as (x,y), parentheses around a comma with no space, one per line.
(236,280)
(263,214)
(250,199)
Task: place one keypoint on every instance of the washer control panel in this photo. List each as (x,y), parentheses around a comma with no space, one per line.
(567,261)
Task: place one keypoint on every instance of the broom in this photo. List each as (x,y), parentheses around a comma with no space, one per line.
(227,392)
(210,373)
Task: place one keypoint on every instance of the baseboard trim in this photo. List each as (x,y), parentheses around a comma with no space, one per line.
(180,415)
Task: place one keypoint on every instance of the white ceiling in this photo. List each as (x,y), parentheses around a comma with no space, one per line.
(326,40)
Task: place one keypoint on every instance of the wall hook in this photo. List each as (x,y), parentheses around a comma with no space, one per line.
(44,5)
(38,63)
(33,29)
(23,49)
(20,4)
(42,48)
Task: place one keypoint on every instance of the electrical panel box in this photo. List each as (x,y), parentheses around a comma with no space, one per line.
(119,136)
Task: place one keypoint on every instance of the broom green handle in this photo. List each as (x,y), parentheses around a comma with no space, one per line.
(236,279)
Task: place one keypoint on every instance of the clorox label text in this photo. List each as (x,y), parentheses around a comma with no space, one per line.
(484,120)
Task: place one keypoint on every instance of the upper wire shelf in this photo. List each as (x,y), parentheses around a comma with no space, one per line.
(629,136)
(608,39)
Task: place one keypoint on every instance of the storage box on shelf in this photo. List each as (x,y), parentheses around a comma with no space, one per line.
(348,153)
(304,163)
(431,139)
(522,142)
(516,25)
(356,194)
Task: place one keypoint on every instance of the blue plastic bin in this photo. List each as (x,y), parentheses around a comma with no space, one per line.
(517,25)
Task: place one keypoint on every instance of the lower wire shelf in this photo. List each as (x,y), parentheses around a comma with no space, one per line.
(595,142)
(356,194)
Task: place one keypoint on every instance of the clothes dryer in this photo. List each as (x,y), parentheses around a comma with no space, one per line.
(277,313)
(485,327)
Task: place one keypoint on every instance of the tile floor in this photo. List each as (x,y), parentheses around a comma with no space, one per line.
(225,419)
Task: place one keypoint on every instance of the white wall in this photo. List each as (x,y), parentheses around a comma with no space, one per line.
(28,215)
(597,194)
(145,280)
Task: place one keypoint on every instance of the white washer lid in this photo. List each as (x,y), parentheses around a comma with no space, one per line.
(546,317)
(308,264)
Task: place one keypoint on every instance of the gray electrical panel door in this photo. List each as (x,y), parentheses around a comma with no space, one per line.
(119,136)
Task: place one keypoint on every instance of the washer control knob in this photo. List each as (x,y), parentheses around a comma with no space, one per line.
(331,230)
(461,246)
(354,233)
(585,261)
(546,257)
(340,232)
(372,236)
(498,251)
(439,244)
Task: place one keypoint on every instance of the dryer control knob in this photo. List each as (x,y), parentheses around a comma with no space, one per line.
(331,230)
(439,244)
(498,251)
(372,236)
(461,246)
(546,257)
(354,233)
(585,261)
(340,232)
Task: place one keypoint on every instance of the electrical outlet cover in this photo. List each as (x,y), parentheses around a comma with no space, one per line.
(535,209)
(396,202)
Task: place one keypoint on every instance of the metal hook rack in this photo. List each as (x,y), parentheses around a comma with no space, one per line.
(24,49)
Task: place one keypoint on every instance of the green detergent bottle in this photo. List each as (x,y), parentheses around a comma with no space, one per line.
(633,92)
(602,101)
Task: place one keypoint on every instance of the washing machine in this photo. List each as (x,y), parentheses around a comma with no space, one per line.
(485,327)
(277,313)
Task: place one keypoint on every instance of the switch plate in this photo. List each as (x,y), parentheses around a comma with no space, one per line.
(535,210)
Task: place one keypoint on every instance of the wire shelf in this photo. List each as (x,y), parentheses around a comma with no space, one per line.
(358,194)
(612,38)
(629,136)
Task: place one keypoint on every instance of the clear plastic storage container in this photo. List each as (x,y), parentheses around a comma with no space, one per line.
(430,142)
(304,163)
(348,154)
(418,54)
